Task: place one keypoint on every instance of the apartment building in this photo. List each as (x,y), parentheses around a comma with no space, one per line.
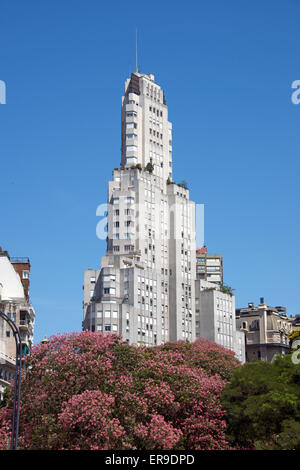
(209,267)
(215,318)
(15,303)
(145,286)
(267,330)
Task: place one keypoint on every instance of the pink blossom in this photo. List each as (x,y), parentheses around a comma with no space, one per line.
(93,391)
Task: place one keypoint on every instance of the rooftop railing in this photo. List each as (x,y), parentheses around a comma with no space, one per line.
(19,260)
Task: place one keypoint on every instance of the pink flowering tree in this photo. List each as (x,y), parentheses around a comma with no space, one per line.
(93,391)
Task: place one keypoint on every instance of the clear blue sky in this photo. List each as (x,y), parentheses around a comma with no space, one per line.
(226,68)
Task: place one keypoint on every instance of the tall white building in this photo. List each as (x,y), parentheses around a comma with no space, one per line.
(145,289)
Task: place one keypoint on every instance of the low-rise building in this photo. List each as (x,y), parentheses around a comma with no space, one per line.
(15,303)
(267,330)
(215,318)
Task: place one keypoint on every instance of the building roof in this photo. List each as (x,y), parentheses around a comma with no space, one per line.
(11,287)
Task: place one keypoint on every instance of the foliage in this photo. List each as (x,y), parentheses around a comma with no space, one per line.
(5,428)
(93,391)
(293,336)
(5,397)
(183,184)
(226,289)
(262,404)
(149,167)
(137,166)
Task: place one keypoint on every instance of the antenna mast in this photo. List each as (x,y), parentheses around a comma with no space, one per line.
(136,51)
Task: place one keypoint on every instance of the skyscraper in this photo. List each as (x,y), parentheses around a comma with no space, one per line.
(145,287)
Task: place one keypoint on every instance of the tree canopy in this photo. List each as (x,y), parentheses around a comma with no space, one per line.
(262,403)
(93,391)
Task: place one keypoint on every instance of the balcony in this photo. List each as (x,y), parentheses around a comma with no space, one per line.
(24,337)
(23,325)
(131,107)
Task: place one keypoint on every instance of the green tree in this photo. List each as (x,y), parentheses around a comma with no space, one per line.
(294,336)
(262,403)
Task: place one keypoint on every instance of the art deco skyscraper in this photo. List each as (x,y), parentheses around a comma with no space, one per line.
(145,289)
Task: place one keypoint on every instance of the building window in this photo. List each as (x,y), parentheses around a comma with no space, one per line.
(26,274)
(131,114)
(128,247)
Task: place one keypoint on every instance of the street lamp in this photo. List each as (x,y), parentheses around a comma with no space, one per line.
(17,384)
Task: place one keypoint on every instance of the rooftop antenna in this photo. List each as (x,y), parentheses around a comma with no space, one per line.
(136,51)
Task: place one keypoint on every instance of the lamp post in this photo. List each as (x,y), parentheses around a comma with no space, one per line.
(17,384)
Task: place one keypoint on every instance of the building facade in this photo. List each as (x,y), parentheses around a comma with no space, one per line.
(209,267)
(15,303)
(295,322)
(267,331)
(145,287)
(215,318)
